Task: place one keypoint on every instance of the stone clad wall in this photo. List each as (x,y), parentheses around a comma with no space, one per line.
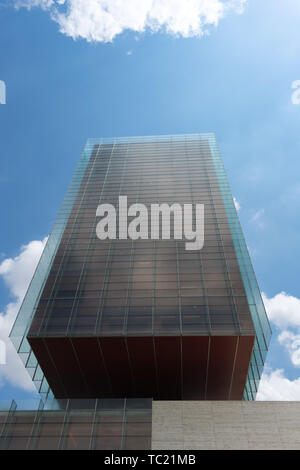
(218,425)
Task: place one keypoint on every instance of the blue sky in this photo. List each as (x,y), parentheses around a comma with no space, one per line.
(68,79)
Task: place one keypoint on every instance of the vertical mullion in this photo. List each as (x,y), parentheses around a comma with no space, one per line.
(123,442)
(35,426)
(129,288)
(8,425)
(64,427)
(94,426)
(208,322)
(89,250)
(109,258)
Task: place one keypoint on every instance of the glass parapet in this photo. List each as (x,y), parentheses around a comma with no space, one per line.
(117,424)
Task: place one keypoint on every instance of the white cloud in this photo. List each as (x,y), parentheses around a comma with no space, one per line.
(17,273)
(44,4)
(274,386)
(291,342)
(103,20)
(237,204)
(257,215)
(283,310)
(259,218)
(296,95)
(129,53)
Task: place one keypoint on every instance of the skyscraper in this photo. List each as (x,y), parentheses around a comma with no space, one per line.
(142,316)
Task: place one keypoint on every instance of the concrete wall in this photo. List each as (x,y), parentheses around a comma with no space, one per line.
(193,425)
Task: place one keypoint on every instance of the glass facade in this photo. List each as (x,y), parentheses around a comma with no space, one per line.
(77,425)
(152,318)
